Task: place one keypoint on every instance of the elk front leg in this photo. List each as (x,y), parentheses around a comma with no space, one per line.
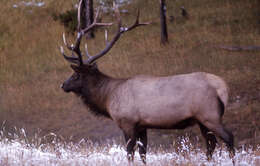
(142,144)
(130,138)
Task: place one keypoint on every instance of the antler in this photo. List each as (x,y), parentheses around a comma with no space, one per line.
(81,32)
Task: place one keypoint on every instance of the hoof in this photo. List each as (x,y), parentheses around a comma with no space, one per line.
(143,157)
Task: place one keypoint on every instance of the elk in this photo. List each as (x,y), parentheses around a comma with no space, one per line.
(147,102)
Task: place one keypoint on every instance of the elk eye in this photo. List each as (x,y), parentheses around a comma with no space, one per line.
(76,77)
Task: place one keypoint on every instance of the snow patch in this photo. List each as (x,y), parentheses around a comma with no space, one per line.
(29,3)
(15,153)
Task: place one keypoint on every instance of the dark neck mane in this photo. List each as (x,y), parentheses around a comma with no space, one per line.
(94,108)
(95,93)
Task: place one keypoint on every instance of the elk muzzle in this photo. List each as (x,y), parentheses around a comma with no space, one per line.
(64,87)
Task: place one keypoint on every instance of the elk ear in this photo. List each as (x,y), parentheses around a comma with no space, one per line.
(75,68)
(94,65)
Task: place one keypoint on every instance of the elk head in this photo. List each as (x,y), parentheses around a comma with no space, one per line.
(86,70)
(80,77)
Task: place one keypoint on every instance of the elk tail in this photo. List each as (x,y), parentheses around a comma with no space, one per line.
(221,106)
(221,87)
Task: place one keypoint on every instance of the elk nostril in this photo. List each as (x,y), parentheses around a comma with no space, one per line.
(61,86)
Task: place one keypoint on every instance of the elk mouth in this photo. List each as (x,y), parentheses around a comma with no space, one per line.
(66,90)
(63,87)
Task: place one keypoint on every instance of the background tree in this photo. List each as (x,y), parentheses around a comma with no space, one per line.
(87,16)
(164,33)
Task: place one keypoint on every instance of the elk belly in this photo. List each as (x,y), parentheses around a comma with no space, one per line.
(163,112)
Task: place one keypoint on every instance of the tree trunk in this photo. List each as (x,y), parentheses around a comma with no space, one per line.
(164,33)
(88,16)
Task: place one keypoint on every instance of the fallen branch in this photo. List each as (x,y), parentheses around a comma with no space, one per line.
(241,48)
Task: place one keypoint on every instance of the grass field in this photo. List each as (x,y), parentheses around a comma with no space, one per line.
(31,67)
(19,152)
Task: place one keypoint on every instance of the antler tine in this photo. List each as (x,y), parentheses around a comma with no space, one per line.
(97,14)
(79,35)
(86,49)
(106,37)
(65,42)
(95,23)
(137,23)
(79,15)
(118,17)
(62,50)
(70,59)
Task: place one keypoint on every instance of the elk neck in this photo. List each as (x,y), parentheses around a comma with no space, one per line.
(96,90)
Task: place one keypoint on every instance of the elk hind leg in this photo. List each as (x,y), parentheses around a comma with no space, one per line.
(228,138)
(214,123)
(224,134)
(210,140)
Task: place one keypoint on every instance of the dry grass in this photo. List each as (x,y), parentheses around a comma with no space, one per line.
(52,150)
(31,68)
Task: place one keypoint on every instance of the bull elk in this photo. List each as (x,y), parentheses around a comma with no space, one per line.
(146,102)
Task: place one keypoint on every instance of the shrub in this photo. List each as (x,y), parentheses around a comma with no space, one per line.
(68,19)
